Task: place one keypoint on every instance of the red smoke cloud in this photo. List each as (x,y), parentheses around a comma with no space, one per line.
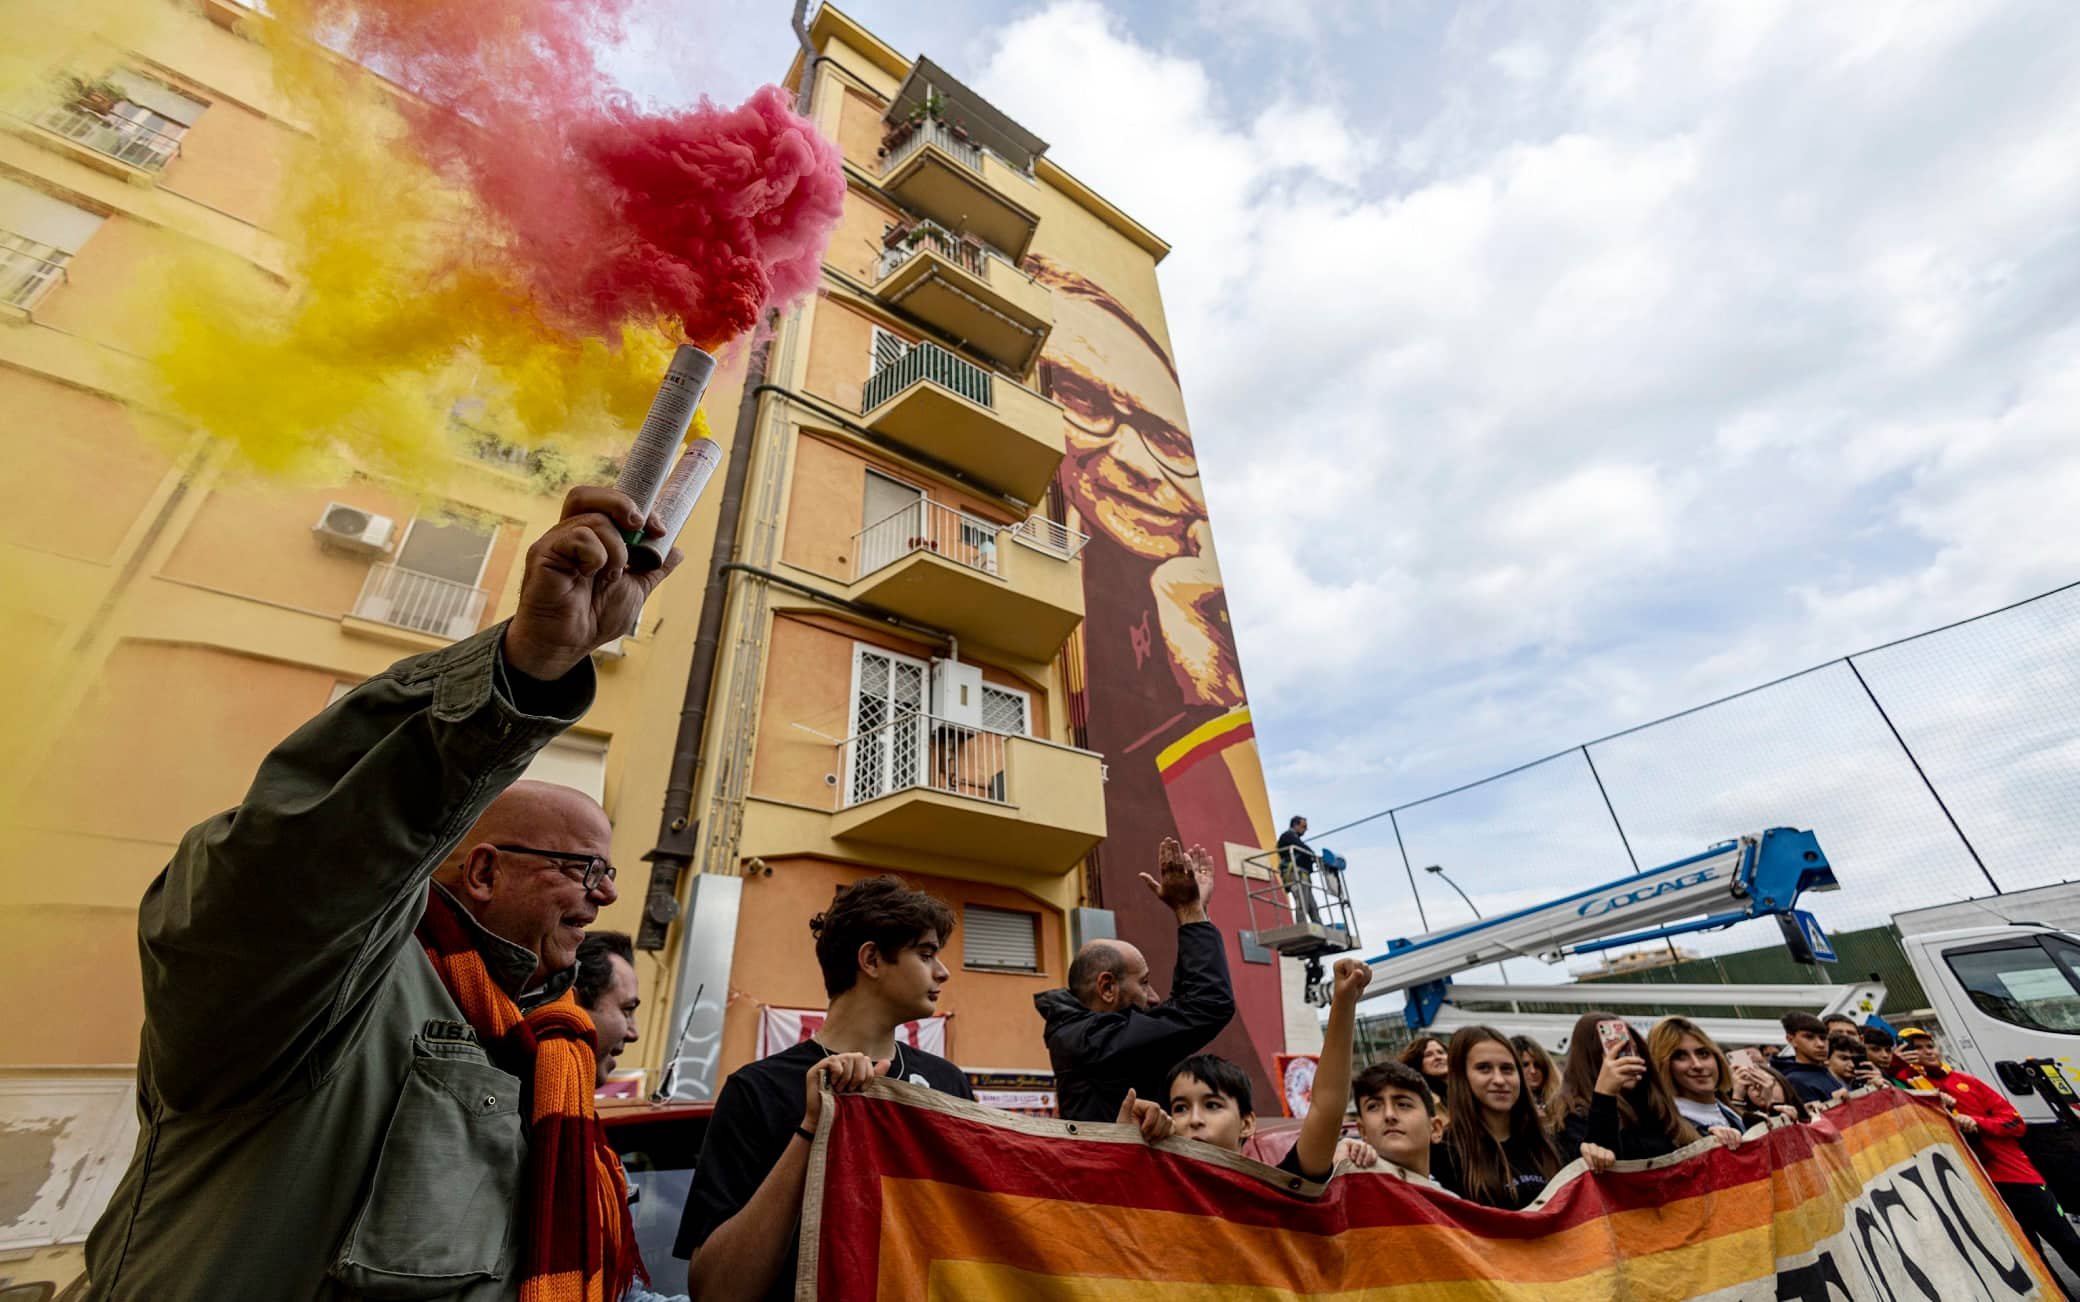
(609,215)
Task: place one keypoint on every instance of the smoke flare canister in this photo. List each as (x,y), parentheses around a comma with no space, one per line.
(681,491)
(664,429)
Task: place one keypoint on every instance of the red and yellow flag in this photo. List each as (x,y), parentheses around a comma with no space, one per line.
(914,1196)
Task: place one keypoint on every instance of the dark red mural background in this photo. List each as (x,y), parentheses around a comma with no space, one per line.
(1155,685)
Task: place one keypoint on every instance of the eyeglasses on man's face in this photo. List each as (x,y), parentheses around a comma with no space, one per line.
(587,869)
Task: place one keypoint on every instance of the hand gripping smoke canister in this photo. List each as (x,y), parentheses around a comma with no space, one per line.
(676,502)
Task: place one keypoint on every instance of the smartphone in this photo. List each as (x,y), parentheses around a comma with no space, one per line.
(1616,1036)
(1746,1058)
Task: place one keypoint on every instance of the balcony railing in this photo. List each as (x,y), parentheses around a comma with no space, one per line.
(1050,536)
(926,526)
(423,603)
(970,256)
(28,269)
(928,361)
(922,751)
(143,147)
(931,131)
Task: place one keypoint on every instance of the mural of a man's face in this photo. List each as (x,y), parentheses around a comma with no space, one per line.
(1134,476)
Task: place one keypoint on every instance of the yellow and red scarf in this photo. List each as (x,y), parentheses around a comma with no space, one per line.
(579,1242)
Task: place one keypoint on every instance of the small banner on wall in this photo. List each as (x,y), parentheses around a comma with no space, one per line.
(1296,1081)
(783,1028)
(915,1194)
(1030,1093)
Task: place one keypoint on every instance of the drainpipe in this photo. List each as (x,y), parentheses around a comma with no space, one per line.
(810,58)
(673,853)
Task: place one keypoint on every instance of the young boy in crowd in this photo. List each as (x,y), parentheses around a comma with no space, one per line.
(878,948)
(1211,1100)
(1806,1065)
(1878,1045)
(1849,1063)
(1398,1119)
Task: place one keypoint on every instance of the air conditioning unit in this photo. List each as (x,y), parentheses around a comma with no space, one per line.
(351,529)
(957,692)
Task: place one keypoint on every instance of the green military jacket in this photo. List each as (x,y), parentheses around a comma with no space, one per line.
(317,1118)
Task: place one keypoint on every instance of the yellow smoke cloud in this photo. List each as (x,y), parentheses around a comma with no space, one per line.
(398,308)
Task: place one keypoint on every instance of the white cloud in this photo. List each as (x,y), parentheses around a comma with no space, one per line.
(1641,353)
(1522,61)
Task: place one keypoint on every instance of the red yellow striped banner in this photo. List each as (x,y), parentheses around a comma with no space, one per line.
(915,1196)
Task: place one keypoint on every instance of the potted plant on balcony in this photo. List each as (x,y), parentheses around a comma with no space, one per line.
(896,133)
(99,95)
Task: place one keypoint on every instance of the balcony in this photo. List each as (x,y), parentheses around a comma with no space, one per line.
(133,143)
(28,269)
(995,431)
(1018,588)
(420,603)
(969,291)
(962,792)
(935,170)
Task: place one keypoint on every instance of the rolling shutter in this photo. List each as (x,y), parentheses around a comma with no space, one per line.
(1002,939)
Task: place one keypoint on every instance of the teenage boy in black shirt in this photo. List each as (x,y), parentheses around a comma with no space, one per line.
(878,946)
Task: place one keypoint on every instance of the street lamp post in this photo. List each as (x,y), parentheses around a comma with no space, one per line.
(1438,869)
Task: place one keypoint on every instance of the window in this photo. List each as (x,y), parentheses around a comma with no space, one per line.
(978,544)
(2023,984)
(886,752)
(1000,940)
(130,118)
(573,760)
(38,236)
(1006,710)
(432,587)
(446,547)
(889,349)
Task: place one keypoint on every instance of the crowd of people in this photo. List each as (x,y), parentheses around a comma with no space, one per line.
(404,932)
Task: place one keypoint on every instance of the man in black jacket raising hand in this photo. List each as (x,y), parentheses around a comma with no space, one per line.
(1110,1032)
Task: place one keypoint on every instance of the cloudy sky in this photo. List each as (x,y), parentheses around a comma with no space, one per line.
(1555,367)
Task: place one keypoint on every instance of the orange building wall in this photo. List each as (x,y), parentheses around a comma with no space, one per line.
(75,438)
(178,732)
(993,1022)
(194,722)
(236,544)
(230,160)
(106,279)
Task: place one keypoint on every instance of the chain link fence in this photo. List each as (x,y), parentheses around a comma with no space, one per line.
(1936,768)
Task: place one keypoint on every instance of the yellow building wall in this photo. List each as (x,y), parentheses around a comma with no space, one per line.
(992,1019)
(859,128)
(189,618)
(841,348)
(855,247)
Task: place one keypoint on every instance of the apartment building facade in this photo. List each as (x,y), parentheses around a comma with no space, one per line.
(171,617)
(979,637)
(973,634)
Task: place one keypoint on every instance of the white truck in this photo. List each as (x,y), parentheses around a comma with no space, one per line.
(2005,992)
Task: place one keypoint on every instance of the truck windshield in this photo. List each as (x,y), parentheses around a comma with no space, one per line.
(2023,984)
